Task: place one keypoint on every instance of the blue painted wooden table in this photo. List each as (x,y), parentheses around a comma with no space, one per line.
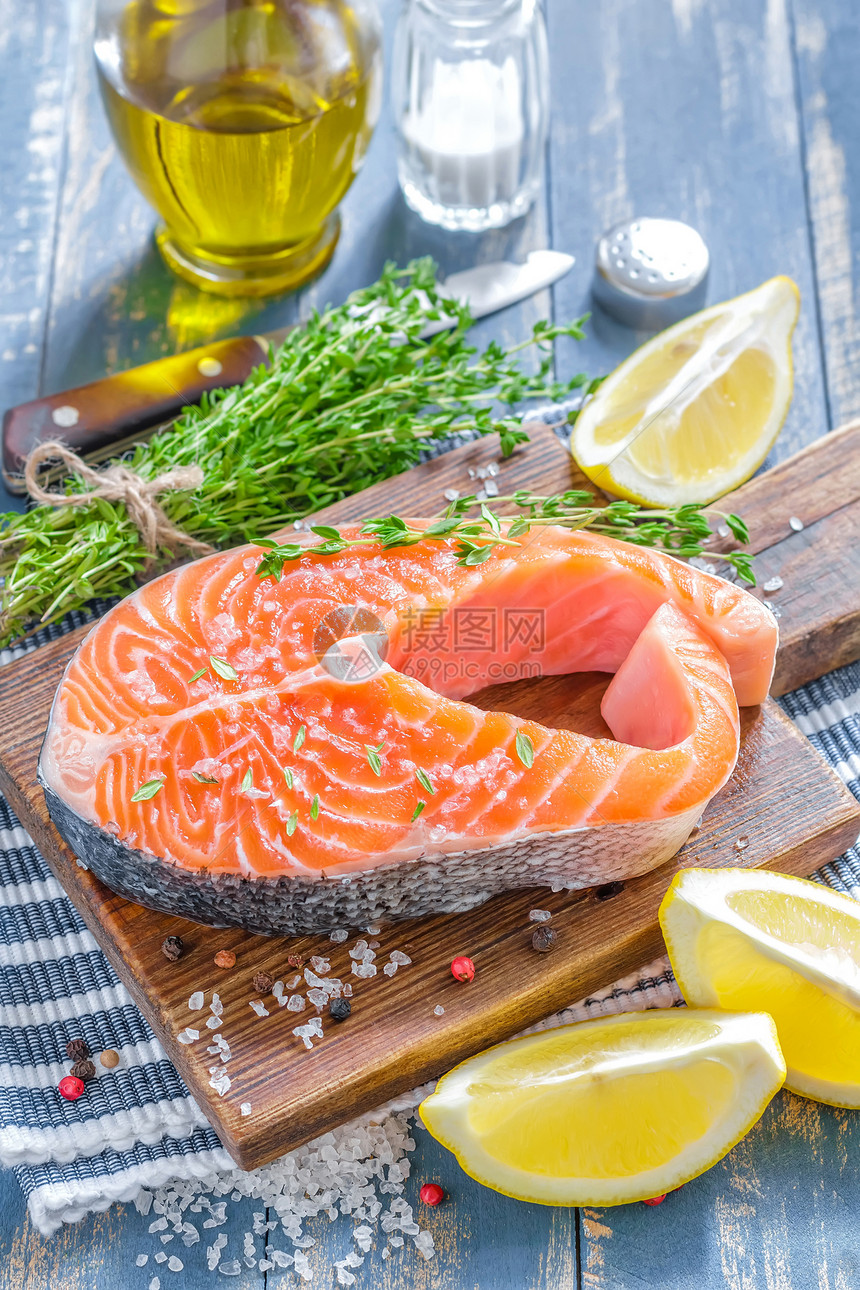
(739,116)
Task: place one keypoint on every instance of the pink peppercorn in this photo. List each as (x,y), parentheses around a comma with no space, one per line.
(432,1194)
(70,1087)
(656,1200)
(463,968)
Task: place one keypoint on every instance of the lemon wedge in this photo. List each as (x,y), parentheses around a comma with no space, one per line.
(610,1111)
(694,412)
(745,939)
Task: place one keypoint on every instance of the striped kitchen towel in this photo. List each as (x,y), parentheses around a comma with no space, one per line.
(138,1127)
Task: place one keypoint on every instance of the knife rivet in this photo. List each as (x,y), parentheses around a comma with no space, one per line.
(210,367)
(65,416)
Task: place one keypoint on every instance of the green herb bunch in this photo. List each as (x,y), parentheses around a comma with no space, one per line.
(349,398)
(682,530)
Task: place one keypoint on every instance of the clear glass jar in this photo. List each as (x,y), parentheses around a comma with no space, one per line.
(470,91)
(243,122)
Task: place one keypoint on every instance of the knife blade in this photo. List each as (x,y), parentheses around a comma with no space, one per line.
(100,419)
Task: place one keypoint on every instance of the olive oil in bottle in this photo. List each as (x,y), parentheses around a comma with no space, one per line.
(243,122)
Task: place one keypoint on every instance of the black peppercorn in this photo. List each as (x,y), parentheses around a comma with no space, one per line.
(543,939)
(263,982)
(77,1049)
(83,1070)
(172,947)
(339,1009)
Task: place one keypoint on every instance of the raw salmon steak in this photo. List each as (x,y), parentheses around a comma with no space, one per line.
(297,755)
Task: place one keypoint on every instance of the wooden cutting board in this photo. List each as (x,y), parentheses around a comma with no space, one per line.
(783,808)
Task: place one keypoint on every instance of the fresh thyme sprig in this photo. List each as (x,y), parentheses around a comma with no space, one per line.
(681,530)
(351,397)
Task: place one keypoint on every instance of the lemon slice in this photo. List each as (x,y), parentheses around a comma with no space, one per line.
(744,939)
(610,1111)
(694,412)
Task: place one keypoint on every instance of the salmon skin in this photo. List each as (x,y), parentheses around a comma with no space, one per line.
(307,758)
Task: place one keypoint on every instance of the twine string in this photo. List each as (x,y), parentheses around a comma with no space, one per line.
(117,483)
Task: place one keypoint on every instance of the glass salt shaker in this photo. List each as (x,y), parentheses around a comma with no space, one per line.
(470,89)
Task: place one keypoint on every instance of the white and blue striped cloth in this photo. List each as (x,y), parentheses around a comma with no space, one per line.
(138,1127)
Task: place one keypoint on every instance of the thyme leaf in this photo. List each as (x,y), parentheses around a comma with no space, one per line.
(247,780)
(147,790)
(197,675)
(223,669)
(299,740)
(525,749)
(419,807)
(425,781)
(315,806)
(202,779)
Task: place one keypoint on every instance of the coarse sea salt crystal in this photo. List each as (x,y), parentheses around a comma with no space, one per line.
(320,965)
(795,524)
(339,934)
(259,1007)
(155,1283)
(188,1035)
(295,1003)
(216,1005)
(175,1263)
(278,989)
(451,494)
(390,969)
(539,915)
(196,1000)
(358,949)
(397,956)
(301,1265)
(213,1022)
(773,584)
(142,1260)
(245,1108)
(424,1244)
(491,488)
(364,969)
(439,1010)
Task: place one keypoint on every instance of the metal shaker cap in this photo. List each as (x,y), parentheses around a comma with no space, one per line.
(649,273)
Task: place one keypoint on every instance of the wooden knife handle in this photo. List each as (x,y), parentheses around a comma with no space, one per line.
(94,419)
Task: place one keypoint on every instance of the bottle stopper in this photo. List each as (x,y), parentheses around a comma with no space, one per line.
(650,273)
